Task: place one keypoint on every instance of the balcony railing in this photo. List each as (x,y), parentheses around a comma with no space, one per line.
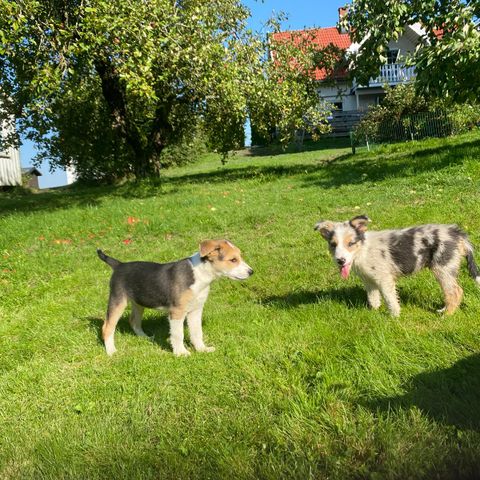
(392,74)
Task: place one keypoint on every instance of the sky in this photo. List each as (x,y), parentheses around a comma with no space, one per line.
(301,14)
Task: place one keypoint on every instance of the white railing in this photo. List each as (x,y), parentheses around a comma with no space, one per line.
(393,73)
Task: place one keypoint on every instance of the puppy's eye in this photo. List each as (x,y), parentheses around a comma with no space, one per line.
(351,244)
(334,245)
(233,260)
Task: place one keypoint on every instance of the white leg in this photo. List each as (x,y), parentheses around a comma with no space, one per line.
(194,320)
(389,293)
(176,337)
(110,345)
(373,295)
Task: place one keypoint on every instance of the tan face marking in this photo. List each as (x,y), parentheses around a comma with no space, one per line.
(225,258)
(350,243)
(227,255)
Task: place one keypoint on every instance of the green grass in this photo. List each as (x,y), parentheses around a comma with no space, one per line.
(306,382)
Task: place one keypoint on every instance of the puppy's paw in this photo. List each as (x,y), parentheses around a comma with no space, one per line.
(395,313)
(206,349)
(181,352)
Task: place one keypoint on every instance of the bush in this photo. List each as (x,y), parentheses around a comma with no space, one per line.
(405,115)
(465,117)
(185,151)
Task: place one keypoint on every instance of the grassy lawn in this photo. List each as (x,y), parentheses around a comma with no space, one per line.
(306,382)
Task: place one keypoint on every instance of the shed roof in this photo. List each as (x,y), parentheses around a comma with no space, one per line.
(31,171)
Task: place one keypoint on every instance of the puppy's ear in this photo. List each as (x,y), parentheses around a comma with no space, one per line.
(209,248)
(359,223)
(325,227)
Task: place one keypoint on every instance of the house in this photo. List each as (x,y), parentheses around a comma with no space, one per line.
(346,94)
(30,177)
(10,171)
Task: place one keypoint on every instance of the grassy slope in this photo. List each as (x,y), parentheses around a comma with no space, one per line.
(305,382)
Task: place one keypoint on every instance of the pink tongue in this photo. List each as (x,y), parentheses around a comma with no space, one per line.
(345,271)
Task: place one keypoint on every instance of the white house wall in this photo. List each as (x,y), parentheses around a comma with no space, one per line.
(339,93)
(404,45)
(10,169)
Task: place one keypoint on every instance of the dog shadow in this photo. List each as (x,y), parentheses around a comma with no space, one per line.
(352,297)
(155,326)
(450,395)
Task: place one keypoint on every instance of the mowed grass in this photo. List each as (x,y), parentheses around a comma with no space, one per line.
(306,381)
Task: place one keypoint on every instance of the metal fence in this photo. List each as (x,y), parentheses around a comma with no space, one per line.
(408,127)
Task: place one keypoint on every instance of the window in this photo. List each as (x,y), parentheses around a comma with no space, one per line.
(392,56)
(338,106)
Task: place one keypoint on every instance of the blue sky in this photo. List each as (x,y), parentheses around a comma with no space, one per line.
(301,14)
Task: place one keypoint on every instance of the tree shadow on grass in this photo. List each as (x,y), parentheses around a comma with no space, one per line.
(326,173)
(252,172)
(11,203)
(342,168)
(449,395)
(153,325)
(19,201)
(402,164)
(327,143)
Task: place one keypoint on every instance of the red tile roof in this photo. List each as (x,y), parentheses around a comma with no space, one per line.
(324,37)
(318,36)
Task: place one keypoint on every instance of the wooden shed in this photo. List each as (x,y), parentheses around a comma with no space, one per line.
(30,177)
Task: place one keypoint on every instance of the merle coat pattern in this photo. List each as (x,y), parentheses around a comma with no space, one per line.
(380,257)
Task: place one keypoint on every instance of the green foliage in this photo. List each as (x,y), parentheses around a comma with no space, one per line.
(188,151)
(465,117)
(399,101)
(405,114)
(107,85)
(446,65)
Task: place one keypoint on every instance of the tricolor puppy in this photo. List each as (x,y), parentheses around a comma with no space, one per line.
(379,258)
(181,287)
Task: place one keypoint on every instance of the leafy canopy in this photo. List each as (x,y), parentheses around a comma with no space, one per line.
(447,61)
(107,85)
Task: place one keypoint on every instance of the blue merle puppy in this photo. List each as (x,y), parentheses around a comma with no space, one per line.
(379,258)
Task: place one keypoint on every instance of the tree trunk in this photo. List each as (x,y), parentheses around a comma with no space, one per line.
(114,95)
(146,157)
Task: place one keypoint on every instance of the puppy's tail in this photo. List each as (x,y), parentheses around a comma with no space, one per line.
(109,260)
(473,269)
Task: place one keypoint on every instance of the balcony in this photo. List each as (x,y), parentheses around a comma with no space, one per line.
(391,74)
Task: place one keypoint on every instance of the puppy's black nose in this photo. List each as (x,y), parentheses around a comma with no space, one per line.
(341,261)
(250,271)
